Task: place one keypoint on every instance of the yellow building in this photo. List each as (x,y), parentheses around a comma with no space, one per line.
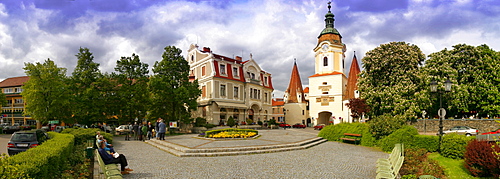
(13,112)
(230,87)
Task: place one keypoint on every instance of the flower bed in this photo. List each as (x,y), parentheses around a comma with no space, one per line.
(231,133)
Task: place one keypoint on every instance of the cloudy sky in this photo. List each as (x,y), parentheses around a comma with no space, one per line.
(274,31)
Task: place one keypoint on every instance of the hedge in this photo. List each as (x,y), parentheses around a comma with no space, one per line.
(405,135)
(453,145)
(47,160)
(82,135)
(335,132)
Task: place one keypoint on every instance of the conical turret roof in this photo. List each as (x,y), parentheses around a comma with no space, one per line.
(352,80)
(295,87)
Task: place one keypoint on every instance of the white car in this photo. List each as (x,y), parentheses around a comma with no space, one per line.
(464,130)
(122,129)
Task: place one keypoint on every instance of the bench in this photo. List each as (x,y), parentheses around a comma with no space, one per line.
(110,171)
(356,138)
(389,168)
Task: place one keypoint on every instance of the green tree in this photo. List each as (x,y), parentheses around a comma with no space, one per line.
(3,100)
(391,81)
(172,95)
(474,72)
(85,103)
(358,107)
(230,121)
(132,77)
(46,92)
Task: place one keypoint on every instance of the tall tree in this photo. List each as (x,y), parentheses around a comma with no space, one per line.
(46,92)
(474,72)
(391,81)
(358,107)
(172,95)
(85,103)
(3,100)
(132,77)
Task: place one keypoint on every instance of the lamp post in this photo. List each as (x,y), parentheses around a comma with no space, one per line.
(441,111)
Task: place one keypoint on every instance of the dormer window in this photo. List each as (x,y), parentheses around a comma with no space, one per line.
(253,76)
(235,71)
(222,69)
(265,80)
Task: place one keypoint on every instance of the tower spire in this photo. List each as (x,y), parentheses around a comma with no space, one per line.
(295,90)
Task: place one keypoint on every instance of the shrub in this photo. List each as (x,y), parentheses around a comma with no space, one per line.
(208,126)
(272,122)
(453,145)
(259,122)
(200,122)
(9,170)
(82,135)
(417,163)
(404,135)
(249,121)
(335,132)
(214,132)
(48,160)
(428,142)
(230,121)
(480,159)
(384,125)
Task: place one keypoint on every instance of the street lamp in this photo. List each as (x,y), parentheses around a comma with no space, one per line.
(441,111)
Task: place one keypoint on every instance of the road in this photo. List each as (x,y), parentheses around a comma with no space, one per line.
(4,138)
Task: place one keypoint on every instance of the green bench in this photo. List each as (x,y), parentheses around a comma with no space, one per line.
(389,168)
(110,171)
(356,138)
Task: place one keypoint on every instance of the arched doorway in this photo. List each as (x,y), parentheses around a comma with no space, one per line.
(250,114)
(308,122)
(324,118)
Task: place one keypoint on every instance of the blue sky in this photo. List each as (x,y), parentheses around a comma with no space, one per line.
(274,31)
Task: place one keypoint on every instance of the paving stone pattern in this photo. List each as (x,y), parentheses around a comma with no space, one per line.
(326,160)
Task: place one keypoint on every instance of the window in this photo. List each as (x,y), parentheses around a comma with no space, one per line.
(203,71)
(251,94)
(7,90)
(222,90)
(258,94)
(18,101)
(265,97)
(324,83)
(192,58)
(204,91)
(265,80)
(9,102)
(253,76)
(235,71)
(325,61)
(18,90)
(236,92)
(222,69)
(325,92)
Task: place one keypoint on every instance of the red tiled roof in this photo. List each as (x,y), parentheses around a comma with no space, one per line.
(306,90)
(295,86)
(14,81)
(352,80)
(278,103)
(326,74)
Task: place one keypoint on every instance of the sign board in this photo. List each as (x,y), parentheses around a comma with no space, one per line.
(54,122)
(173,124)
(442,112)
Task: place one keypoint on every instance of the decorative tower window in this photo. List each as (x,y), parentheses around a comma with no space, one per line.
(325,61)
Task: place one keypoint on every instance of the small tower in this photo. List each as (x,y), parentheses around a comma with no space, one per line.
(295,101)
(352,80)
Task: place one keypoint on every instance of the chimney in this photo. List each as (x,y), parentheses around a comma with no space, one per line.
(238,58)
(206,49)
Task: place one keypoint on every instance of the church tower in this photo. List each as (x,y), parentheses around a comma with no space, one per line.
(295,101)
(327,86)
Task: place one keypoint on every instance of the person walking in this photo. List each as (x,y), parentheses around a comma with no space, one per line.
(157,128)
(135,130)
(150,130)
(162,128)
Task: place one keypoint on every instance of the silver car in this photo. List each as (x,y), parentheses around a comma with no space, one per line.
(464,130)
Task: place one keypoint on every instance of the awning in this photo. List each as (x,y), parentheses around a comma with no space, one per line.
(231,105)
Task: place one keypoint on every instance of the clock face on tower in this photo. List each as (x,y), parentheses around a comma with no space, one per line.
(325,47)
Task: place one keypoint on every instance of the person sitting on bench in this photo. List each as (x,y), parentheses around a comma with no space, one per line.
(113,158)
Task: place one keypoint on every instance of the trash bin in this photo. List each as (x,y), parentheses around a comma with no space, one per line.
(89,151)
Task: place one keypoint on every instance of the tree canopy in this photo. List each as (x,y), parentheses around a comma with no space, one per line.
(391,82)
(172,95)
(46,92)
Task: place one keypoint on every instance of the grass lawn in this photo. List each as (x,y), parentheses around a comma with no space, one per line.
(454,168)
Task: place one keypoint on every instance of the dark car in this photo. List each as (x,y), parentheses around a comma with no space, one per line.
(11,128)
(299,125)
(319,126)
(23,140)
(284,125)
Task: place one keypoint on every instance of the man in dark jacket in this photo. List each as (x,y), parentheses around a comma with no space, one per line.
(109,158)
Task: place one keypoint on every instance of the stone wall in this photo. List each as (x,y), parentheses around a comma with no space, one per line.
(432,125)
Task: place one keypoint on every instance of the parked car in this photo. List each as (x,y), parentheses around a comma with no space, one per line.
(319,126)
(299,125)
(11,128)
(122,129)
(60,128)
(464,130)
(45,128)
(492,132)
(285,125)
(23,140)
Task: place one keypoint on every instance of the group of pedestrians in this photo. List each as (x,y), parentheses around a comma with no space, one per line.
(146,131)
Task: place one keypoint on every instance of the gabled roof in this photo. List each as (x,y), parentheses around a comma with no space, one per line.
(278,103)
(294,87)
(14,81)
(352,80)
(306,90)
